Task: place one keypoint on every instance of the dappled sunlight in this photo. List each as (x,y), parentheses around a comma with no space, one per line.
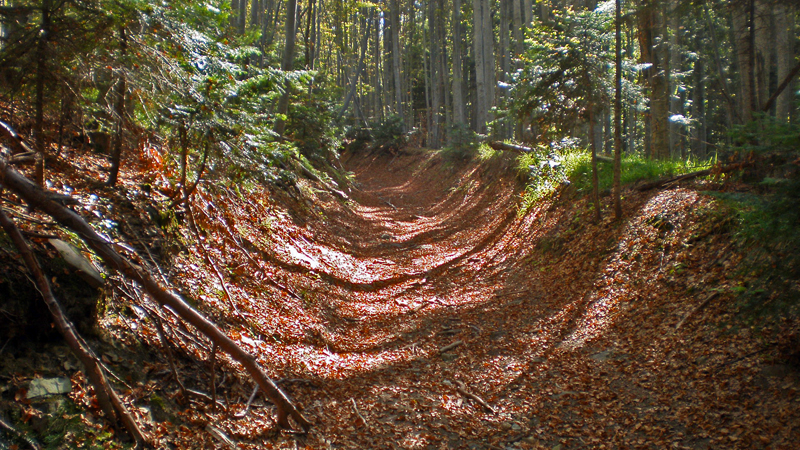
(654,227)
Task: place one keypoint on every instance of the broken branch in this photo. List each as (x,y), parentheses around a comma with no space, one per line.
(106,396)
(461,388)
(38,198)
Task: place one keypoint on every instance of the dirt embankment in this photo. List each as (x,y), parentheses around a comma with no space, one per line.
(426,312)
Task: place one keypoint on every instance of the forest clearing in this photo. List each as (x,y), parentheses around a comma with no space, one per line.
(327,224)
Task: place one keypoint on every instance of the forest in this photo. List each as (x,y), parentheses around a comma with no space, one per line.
(399,224)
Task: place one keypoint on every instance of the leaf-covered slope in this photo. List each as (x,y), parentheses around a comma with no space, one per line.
(425,312)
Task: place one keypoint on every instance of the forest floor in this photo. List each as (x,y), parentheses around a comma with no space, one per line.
(428,312)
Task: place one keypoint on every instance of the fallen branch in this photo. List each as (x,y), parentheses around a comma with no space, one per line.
(15,137)
(249,402)
(502,146)
(21,436)
(110,403)
(210,262)
(450,346)
(689,176)
(672,180)
(355,408)
(462,389)
(697,308)
(38,198)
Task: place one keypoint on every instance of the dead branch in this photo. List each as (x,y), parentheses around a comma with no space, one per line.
(697,308)
(502,146)
(106,396)
(210,262)
(21,436)
(461,388)
(450,346)
(358,413)
(672,180)
(247,406)
(667,182)
(15,137)
(38,198)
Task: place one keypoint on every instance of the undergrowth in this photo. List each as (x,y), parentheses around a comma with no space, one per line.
(768,220)
(549,167)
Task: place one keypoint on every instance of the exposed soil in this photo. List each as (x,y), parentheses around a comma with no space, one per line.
(427,312)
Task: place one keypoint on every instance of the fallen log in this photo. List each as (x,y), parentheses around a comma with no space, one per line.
(665,182)
(39,198)
(672,180)
(107,398)
(502,146)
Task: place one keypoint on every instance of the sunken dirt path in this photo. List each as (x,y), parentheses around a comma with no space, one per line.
(428,288)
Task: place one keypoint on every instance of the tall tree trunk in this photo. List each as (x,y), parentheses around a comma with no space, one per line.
(41,73)
(483,42)
(742,17)
(731,110)
(459,111)
(651,24)
(764,43)
(785,30)
(396,61)
(595,181)
(673,55)
(617,189)
(120,91)
(377,88)
(286,63)
(360,68)
(699,106)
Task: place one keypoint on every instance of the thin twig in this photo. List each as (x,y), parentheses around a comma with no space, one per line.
(213,378)
(22,436)
(355,408)
(450,346)
(462,389)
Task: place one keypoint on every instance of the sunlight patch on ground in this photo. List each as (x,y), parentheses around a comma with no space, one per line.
(650,230)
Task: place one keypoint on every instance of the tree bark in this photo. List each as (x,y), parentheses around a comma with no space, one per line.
(396,61)
(785,33)
(354,82)
(120,90)
(287,63)
(41,72)
(484,62)
(459,111)
(617,184)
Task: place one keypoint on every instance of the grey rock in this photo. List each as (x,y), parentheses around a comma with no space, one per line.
(43,387)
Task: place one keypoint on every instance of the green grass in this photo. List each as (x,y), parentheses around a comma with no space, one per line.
(635,168)
(575,166)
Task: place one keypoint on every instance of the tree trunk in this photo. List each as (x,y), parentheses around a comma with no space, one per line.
(359,69)
(459,111)
(595,181)
(617,189)
(744,58)
(764,43)
(785,30)
(484,62)
(120,91)
(651,26)
(699,106)
(41,73)
(286,63)
(673,56)
(396,61)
